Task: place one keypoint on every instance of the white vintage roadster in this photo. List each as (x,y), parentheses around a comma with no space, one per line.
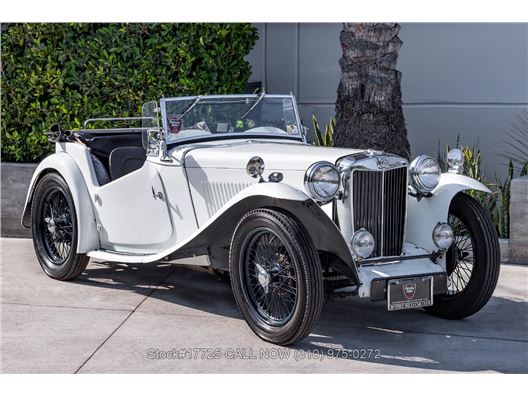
(230,181)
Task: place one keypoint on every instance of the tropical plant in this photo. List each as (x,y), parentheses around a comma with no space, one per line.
(501,212)
(65,72)
(473,167)
(326,138)
(517,142)
(369,106)
(498,202)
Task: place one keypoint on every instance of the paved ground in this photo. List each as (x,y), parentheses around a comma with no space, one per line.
(117,318)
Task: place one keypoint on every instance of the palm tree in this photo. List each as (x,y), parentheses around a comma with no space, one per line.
(369,107)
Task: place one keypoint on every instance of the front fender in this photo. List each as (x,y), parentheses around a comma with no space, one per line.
(325,235)
(425,214)
(66,166)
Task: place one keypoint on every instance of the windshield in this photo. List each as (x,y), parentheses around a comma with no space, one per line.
(247,115)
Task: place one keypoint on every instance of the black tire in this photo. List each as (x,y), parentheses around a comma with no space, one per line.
(54,227)
(472,262)
(282,306)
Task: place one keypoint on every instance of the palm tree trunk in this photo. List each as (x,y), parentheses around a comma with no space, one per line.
(369,107)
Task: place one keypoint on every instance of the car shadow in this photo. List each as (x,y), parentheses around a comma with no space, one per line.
(192,287)
(494,339)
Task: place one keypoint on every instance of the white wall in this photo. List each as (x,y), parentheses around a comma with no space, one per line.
(467,79)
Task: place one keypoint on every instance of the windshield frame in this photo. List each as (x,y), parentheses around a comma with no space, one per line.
(299,137)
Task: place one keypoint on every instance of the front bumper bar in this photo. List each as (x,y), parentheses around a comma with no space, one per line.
(374,277)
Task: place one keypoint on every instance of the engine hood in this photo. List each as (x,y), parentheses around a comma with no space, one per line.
(278,155)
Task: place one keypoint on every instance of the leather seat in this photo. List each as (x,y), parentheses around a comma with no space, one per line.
(124,160)
(102,144)
(100,171)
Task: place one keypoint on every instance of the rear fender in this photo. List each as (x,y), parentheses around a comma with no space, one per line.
(65,165)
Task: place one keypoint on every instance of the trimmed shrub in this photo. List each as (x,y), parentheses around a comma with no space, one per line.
(69,72)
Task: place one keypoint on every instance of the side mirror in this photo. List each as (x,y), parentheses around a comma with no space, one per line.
(55,133)
(56,128)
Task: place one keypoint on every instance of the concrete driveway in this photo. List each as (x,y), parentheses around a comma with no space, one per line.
(165,318)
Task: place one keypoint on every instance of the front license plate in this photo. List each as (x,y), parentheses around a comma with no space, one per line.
(410,293)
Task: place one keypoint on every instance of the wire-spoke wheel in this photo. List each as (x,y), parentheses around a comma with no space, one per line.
(54,226)
(57,226)
(472,261)
(276,276)
(270,277)
(459,257)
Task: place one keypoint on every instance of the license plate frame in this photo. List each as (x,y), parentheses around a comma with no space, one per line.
(409,293)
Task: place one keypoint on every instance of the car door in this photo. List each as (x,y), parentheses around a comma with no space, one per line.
(133,214)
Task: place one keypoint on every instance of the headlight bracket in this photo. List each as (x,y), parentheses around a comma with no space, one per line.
(419,195)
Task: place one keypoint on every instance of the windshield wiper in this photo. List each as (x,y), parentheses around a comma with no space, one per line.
(189,108)
(254,105)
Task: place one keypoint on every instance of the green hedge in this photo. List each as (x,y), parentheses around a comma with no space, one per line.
(69,72)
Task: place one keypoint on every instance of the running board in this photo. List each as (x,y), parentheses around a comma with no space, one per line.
(121,257)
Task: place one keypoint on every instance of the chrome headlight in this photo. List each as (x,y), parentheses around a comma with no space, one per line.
(424,173)
(443,236)
(362,243)
(321,180)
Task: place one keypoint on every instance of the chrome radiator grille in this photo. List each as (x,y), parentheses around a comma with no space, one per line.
(379,200)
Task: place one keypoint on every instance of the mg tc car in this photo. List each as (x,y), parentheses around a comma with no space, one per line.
(231,181)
